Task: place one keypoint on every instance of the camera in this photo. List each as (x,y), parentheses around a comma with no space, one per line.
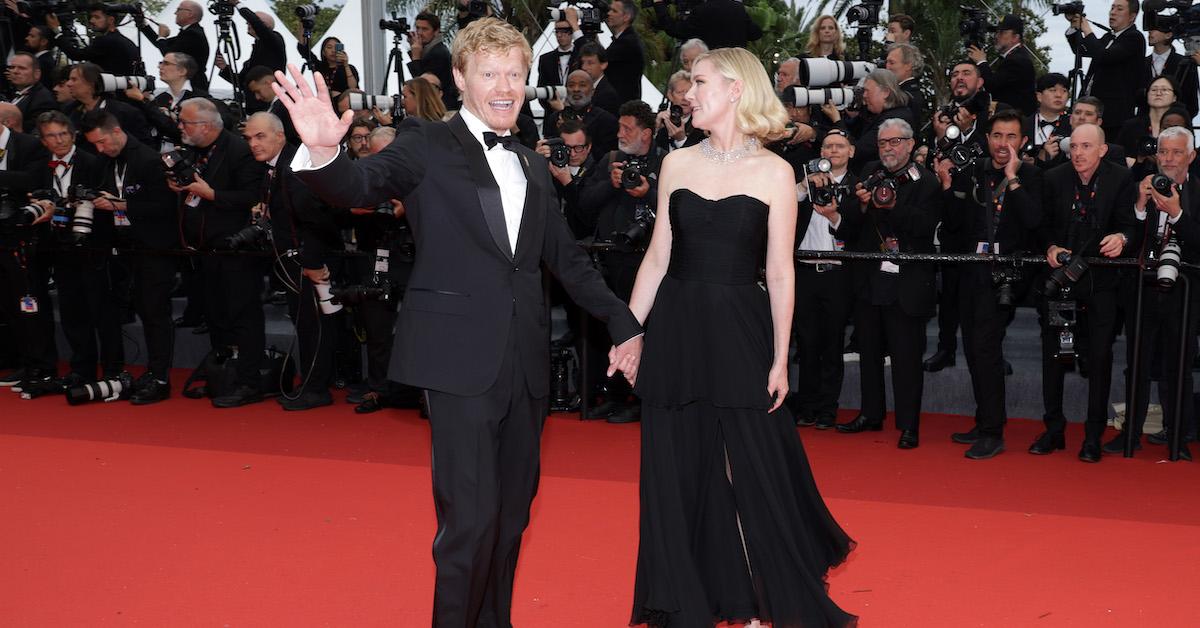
(864,13)
(1168,265)
(180,165)
(1162,184)
(115,389)
(548,92)
(1147,147)
(133,9)
(1061,280)
(826,194)
(562,366)
(974,27)
(361,102)
(821,72)
(356,294)
(590,16)
(883,186)
(307,11)
(114,83)
(841,97)
(39,9)
(961,154)
(222,8)
(398,25)
(14,215)
(560,155)
(253,236)
(637,234)
(1063,315)
(1005,279)
(570,113)
(635,168)
(1067,8)
(818,164)
(79,212)
(675,114)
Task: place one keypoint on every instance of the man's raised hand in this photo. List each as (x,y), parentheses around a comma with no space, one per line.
(318,126)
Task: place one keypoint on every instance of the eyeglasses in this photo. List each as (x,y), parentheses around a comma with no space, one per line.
(165,62)
(359,138)
(192,122)
(891,141)
(1161,90)
(577,149)
(564,31)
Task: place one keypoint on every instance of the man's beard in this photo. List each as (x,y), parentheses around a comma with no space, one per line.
(580,102)
(892,163)
(630,149)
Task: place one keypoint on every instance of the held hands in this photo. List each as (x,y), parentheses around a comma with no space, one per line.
(777,385)
(318,126)
(626,357)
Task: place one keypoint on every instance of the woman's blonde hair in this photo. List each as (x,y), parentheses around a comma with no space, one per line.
(490,36)
(759,112)
(429,104)
(814,39)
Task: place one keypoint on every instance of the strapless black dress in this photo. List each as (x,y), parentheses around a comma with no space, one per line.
(732,524)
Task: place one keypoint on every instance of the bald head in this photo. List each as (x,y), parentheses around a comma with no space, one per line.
(267,19)
(1087,149)
(11,117)
(188,12)
(1088,132)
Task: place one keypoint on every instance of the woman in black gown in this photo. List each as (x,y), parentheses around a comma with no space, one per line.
(732,525)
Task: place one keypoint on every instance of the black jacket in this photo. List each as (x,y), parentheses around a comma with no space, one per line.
(467,292)
(692,136)
(718,23)
(1117,67)
(916,100)
(1010,80)
(113,52)
(191,41)
(436,60)
(87,170)
(966,222)
(237,180)
(268,50)
(626,62)
(867,131)
(132,120)
(299,220)
(26,162)
(582,224)
(548,66)
(1183,70)
(37,101)
(613,207)
(606,97)
(1186,230)
(601,127)
(1113,212)
(150,203)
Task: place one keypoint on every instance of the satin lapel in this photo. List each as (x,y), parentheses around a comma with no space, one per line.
(485,184)
(532,194)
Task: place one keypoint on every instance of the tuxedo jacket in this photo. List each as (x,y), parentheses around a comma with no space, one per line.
(548,66)
(236,177)
(133,122)
(150,204)
(39,100)
(87,170)
(1117,64)
(1183,70)
(606,97)
(867,131)
(626,62)
(916,100)
(113,52)
(601,127)
(191,41)
(1010,80)
(27,160)
(912,222)
(468,292)
(299,220)
(436,59)
(965,223)
(1113,212)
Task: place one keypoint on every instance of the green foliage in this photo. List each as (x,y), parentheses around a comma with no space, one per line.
(286,10)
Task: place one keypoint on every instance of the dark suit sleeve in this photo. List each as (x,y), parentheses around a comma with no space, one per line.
(1048,234)
(245,178)
(596,190)
(1123,219)
(1130,45)
(1026,201)
(668,25)
(313,220)
(916,220)
(25,176)
(392,173)
(153,200)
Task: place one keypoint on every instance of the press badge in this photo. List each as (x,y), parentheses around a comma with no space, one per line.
(890,245)
(192,200)
(983,248)
(120,219)
(839,245)
(29,304)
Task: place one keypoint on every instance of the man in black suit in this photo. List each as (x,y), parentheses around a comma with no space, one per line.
(473,330)
(191,39)
(601,125)
(882,100)
(87,88)
(1010,78)
(213,207)
(1087,209)
(594,60)
(1164,61)
(430,54)
(29,95)
(1118,62)
(162,111)
(143,213)
(556,65)
(567,179)
(110,50)
(993,207)
(268,50)
(671,136)
(626,58)
(1051,122)
(907,63)
(1087,110)
(718,23)
(258,84)
(40,43)
(893,301)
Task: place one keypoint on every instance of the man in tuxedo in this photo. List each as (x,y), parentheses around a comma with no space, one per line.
(718,23)
(109,49)
(626,58)
(1087,209)
(907,63)
(1051,122)
(473,329)
(87,90)
(40,43)
(1087,110)
(601,125)
(29,95)
(258,83)
(893,301)
(554,66)
(671,136)
(191,39)
(268,51)
(143,211)
(162,111)
(993,207)
(1164,61)
(430,54)
(1118,61)
(1010,78)
(594,60)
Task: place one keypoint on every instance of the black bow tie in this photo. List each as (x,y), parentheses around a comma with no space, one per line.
(509,142)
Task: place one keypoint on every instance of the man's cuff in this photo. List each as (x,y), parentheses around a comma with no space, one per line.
(302,160)
(1139,214)
(1174,219)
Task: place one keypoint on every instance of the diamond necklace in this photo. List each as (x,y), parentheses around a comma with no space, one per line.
(712,153)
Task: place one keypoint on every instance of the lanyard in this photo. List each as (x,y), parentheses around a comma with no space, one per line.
(59,186)
(119,171)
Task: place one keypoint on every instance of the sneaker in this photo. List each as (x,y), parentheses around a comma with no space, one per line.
(13,378)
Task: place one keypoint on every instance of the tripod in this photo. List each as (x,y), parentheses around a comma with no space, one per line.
(396,57)
(230,47)
(307,25)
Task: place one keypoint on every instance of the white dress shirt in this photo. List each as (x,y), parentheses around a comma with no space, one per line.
(1158,61)
(62,174)
(5,135)
(819,234)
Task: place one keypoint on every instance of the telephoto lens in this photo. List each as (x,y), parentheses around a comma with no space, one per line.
(1168,265)
(115,389)
(547,92)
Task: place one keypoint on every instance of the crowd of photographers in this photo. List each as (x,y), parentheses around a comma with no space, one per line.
(95,159)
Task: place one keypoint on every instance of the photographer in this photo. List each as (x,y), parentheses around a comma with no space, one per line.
(787,75)
(39,42)
(87,90)
(109,49)
(1139,132)
(1051,122)
(554,66)
(622,192)
(268,50)
(626,57)
(1170,232)
(143,210)
(718,23)
(430,54)
(190,41)
(162,111)
(302,232)
(900,29)
(884,100)
(258,84)
(601,125)
(824,292)
(29,95)
(898,207)
(993,206)
(1118,64)
(674,123)
(216,205)
(567,179)
(594,60)
(1086,211)
(1010,79)
(1087,110)
(907,63)
(1164,61)
(689,51)
(334,66)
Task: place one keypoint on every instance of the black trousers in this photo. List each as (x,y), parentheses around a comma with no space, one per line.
(34,333)
(486,462)
(88,313)
(905,339)
(1100,320)
(948,308)
(984,323)
(153,280)
(233,298)
(316,332)
(1163,335)
(192,285)
(823,304)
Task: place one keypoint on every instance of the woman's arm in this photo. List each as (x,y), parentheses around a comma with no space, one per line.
(781,274)
(658,254)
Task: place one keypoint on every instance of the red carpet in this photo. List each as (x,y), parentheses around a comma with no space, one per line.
(180,515)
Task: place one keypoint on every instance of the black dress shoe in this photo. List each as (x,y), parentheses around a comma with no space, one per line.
(630,413)
(1184,452)
(1090,452)
(908,440)
(860,424)
(603,410)
(1047,443)
(308,401)
(966,438)
(985,447)
(805,420)
(12,378)
(243,395)
(150,391)
(368,405)
(826,422)
(1157,438)
(188,322)
(1117,445)
(200,329)
(939,361)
